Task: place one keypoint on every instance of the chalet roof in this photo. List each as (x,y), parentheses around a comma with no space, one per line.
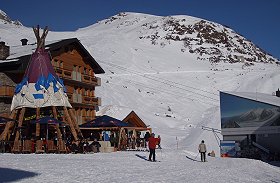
(260,97)
(104,121)
(19,54)
(135,120)
(124,113)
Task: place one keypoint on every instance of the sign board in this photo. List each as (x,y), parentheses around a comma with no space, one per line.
(228,148)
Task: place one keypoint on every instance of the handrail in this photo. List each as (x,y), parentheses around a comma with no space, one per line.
(260,147)
(68,74)
(86,99)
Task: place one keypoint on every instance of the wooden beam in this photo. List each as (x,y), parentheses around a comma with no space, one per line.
(37,124)
(17,144)
(120,134)
(8,126)
(59,136)
(37,33)
(72,128)
(40,39)
(71,112)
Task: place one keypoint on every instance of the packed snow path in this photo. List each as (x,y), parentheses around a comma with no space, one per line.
(174,166)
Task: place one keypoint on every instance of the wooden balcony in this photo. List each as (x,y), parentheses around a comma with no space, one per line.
(7,91)
(83,100)
(74,76)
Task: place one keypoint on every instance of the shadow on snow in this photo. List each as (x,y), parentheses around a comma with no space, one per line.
(142,157)
(11,175)
(192,159)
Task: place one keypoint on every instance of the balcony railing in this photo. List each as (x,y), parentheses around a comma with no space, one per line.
(7,91)
(84,99)
(77,76)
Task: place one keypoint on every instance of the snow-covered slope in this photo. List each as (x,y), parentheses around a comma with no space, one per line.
(4,18)
(169,70)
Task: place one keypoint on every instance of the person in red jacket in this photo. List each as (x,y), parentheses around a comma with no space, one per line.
(152,147)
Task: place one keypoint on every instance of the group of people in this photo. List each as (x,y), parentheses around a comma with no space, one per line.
(84,146)
(153,142)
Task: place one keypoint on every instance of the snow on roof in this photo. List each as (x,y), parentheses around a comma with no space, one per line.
(19,51)
(118,112)
(261,97)
(12,60)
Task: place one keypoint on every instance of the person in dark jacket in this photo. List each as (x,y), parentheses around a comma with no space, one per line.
(95,146)
(146,138)
(152,147)
(202,150)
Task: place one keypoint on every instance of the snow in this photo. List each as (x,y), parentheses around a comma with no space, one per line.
(174,166)
(170,90)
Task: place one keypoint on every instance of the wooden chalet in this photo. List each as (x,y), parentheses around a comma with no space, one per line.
(128,128)
(71,61)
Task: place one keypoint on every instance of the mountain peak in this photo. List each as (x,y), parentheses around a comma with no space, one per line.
(7,20)
(204,39)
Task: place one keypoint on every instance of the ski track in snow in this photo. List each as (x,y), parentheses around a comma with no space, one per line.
(124,167)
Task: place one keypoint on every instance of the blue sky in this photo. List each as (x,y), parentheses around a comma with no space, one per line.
(257,20)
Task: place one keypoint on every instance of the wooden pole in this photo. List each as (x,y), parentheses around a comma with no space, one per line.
(120,136)
(20,121)
(37,124)
(8,126)
(74,133)
(40,40)
(59,136)
(71,112)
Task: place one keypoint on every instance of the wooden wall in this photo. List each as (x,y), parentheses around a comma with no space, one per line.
(69,59)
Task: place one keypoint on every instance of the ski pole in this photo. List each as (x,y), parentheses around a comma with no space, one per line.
(196,156)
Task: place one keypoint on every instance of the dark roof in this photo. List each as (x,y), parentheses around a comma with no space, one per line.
(19,58)
(104,121)
(260,97)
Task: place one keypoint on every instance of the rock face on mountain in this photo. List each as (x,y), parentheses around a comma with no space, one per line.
(7,20)
(207,40)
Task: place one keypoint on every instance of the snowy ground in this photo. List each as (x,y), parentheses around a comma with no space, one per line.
(174,166)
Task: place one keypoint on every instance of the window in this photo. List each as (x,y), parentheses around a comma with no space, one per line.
(55,62)
(61,64)
(85,71)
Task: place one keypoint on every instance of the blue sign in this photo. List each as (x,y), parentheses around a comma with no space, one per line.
(228,148)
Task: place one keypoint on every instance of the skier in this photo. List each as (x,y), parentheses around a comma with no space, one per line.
(202,150)
(152,147)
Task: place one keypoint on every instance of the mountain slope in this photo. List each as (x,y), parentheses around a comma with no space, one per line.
(4,18)
(169,70)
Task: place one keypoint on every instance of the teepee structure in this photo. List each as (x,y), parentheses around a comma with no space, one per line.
(40,92)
